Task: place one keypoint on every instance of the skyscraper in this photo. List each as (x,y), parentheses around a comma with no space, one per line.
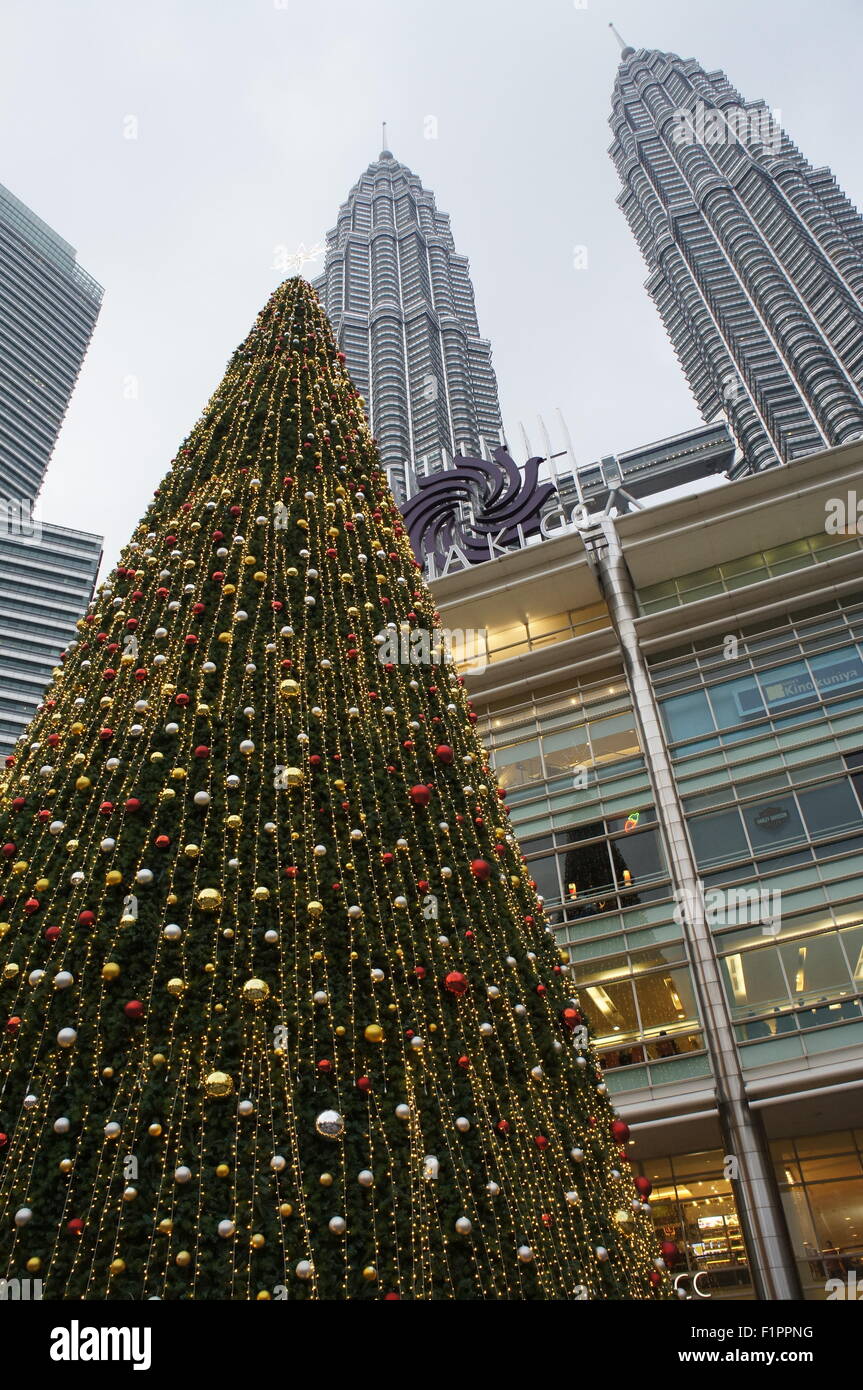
(755,258)
(48,310)
(401,301)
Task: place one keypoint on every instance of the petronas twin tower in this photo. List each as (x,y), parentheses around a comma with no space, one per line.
(755,263)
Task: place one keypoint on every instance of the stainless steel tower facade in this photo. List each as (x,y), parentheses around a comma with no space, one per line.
(755,258)
(401,302)
(48,310)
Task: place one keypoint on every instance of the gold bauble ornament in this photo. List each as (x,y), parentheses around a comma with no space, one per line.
(66,1165)
(326,1179)
(370,1274)
(110,970)
(226,637)
(209,900)
(261,894)
(222,1170)
(289,690)
(159,1059)
(34,1264)
(374,1033)
(285,1209)
(154,1130)
(117,1266)
(10,971)
(256,991)
(42,885)
(183,1259)
(176,986)
(179,774)
(293,777)
(113,877)
(234,822)
(165,1226)
(264,1296)
(107,1073)
(257,1243)
(229,589)
(218,1085)
(82,783)
(21,866)
(191,851)
(259,577)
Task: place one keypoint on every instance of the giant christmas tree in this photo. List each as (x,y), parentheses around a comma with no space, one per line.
(281,1017)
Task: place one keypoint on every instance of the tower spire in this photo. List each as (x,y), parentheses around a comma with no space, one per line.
(625,48)
(385,150)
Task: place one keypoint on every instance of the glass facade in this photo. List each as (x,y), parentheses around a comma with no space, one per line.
(821,1180)
(767,749)
(48,309)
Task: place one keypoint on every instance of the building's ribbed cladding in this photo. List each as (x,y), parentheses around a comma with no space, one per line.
(48,309)
(46,582)
(401,301)
(755,258)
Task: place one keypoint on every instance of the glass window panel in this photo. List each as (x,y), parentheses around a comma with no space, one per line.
(518,764)
(666,998)
(615,737)
(686,716)
(638,856)
(586,871)
(773,823)
(717,837)
(837,1210)
(566,750)
(610,1010)
(791,684)
(830,808)
(754,981)
(736,702)
(837,671)
(544,873)
(815,967)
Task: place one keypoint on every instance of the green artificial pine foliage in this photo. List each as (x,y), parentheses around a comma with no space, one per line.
(281,1015)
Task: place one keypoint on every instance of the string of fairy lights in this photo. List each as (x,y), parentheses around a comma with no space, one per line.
(312,1040)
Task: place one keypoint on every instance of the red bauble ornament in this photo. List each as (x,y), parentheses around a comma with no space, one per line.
(464,1063)
(620,1130)
(51,933)
(420,795)
(571,1018)
(643,1187)
(420,972)
(13,1024)
(502,1126)
(668,1251)
(455,982)
(86,918)
(541,1141)
(75,1226)
(364,1085)
(202,751)
(444,754)
(32,905)
(133,804)
(10,850)
(325,1067)
(162,841)
(655,1278)
(481,870)
(134,1009)
(106,808)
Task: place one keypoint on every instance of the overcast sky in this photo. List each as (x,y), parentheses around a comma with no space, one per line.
(254,118)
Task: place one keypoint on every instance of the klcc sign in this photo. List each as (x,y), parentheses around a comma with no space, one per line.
(482,509)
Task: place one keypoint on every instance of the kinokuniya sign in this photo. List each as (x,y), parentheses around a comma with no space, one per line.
(480,509)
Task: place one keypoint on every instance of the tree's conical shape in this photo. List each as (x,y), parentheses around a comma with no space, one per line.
(282,1019)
